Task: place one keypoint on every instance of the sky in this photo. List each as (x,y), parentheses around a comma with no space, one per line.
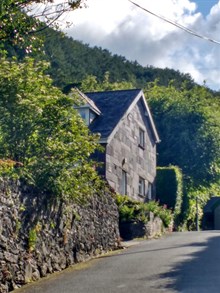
(126,30)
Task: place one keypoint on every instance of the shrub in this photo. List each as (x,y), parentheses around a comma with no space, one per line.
(130,210)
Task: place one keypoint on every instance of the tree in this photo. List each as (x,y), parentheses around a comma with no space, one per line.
(90,83)
(20,20)
(40,129)
(189,127)
(188,122)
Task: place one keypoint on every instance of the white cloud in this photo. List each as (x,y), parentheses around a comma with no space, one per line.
(124,29)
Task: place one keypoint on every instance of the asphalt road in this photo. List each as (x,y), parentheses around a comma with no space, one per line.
(182,262)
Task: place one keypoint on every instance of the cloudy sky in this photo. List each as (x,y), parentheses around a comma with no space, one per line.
(126,30)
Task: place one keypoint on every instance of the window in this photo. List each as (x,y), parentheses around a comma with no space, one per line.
(149,192)
(87,115)
(124,183)
(92,116)
(141,187)
(82,113)
(141,138)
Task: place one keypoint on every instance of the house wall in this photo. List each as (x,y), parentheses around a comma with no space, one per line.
(123,153)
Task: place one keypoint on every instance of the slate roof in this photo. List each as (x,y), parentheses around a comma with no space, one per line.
(113,105)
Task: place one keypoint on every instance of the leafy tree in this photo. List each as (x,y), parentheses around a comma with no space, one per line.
(20,20)
(40,129)
(189,126)
(90,83)
(188,122)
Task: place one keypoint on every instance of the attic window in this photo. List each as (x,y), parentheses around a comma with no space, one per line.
(87,108)
(87,115)
(141,138)
(92,116)
(82,113)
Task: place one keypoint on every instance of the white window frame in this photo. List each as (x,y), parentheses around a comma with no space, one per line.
(141,186)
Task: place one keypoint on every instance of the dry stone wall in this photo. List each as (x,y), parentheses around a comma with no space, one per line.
(39,237)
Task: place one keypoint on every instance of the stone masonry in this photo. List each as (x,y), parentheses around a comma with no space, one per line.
(39,236)
(124,153)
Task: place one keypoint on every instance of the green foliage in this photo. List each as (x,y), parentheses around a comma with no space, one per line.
(72,62)
(153,206)
(130,210)
(7,167)
(20,20)
(189,127)
(32,239)
(188,122)
(199,196)
(40,129)
(126,213)
(169,187)
(90,83)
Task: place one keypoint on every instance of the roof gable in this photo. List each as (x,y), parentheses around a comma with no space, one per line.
(114,105)
(87,102)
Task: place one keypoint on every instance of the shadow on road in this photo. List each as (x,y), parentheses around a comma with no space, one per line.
(154,250)
(199,273)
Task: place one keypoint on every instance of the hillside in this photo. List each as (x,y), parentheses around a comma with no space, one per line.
(71,61)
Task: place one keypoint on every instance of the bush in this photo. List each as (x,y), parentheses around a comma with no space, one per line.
(130,210)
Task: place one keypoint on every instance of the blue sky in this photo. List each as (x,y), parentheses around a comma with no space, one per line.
(126,30)
(204,6)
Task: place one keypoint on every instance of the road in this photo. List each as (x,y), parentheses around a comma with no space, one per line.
(186,262)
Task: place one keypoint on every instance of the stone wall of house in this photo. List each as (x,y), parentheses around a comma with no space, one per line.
(123,153)
(39,236)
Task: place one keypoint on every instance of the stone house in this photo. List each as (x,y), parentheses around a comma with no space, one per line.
(128,136)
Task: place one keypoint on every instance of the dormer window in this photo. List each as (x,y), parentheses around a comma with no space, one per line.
(82,112)
(87,114)
(92,116)
(87,110)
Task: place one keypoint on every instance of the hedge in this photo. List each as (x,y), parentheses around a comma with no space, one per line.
(169,188)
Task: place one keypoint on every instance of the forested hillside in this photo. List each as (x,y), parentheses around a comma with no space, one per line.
(71,61)
(74,60)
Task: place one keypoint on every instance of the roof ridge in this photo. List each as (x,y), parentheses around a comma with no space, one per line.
(109,91)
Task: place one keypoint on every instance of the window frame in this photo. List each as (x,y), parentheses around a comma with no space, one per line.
(150,191)
(141,186)
(141,138)
(124,183)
